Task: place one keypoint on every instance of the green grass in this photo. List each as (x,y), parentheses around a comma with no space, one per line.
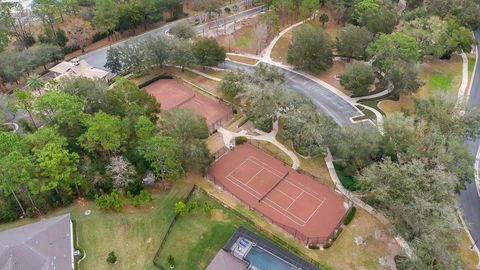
(348,181)
(245,41)
(196,238)
(134,234)
(440,81)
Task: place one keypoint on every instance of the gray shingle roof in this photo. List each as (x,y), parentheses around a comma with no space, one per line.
(44,245)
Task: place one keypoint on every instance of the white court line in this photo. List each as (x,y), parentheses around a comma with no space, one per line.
(254,176)
(295,200)
(239,165)
(266,166)
(314,212)
(309,192)
(282,212)
(241,186)
(286,195)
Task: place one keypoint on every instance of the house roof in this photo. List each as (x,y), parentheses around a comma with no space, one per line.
(44,245)
(79,68)
(225,261)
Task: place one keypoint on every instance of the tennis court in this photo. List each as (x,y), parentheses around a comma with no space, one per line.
(172,94)
(297,202)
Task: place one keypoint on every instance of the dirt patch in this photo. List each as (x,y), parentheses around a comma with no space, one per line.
(241,59)
(329,76)
(245,39)
(219,215)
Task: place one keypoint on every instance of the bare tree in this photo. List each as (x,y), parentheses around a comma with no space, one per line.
(78,34)
(121,171)
(261,35)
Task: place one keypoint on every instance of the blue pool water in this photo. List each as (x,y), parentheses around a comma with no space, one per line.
(264,260)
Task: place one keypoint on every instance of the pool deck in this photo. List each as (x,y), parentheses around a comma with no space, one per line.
(269,246)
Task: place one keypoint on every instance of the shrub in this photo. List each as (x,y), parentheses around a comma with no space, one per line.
(181,208)
(350,216)
(99,35)
(191,206)
(327,245)
(171,261)
(313,246)
(111,258)
(110,202)
(142,198)
(207,208)
(70,49)
(171,19)
(241,140)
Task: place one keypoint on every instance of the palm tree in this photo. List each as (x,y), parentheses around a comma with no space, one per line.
(35,83)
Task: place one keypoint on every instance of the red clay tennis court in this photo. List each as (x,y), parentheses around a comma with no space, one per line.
(296,202)
(172,94)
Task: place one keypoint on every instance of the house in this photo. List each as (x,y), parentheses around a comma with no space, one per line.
(44,245)
(77,68)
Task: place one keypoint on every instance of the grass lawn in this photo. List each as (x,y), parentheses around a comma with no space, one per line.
(207,234)
(438,75)
(273,150)
(469,257)
(134,234)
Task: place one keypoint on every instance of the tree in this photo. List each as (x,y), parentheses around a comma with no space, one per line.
(272,21)
(121,171)
(114,62)
(357,78)
(105,15)
(35,83)
(183,31)
(404,77)
(43,54)
(181,53)
(308,8)
(323,19)
(211,6)
(125,99)
(157,51)
(57,166)
(389,48)
(78,34)
(43,136)
(438,37)
(47,11)
(4,39)
(24,100)
(183,125)
(310,49)
(130,16)
(111,258)
(59,108)
(262,112)
(208,52)
(418,197)
(164,156)
(232,83)
(91,92)
(362,6)
(352,41)
(382,20)
(105,134)
(133,57)
(16,20)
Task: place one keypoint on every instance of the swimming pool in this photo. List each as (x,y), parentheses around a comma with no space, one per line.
(264,260)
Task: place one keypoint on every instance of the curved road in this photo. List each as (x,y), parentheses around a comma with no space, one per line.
(98,58)
(325,100)
(469,198)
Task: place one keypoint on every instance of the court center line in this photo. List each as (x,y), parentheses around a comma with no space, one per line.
(295,200)
(315,211)
(254,176)
(268,167)
(241,186)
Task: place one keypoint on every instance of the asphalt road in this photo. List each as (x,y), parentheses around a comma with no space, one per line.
(98,58)
(469,199)
(326,101)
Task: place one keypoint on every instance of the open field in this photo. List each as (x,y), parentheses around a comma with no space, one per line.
(438,75)
(133,234)
(207,234)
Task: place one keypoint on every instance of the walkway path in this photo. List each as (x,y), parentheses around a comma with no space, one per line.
(229,136)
